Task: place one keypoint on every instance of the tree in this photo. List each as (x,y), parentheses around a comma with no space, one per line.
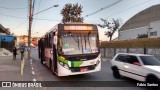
(112,27)
(142,36)
(72,13)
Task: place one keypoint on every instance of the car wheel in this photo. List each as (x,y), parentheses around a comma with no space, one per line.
(151,80)
(116,73)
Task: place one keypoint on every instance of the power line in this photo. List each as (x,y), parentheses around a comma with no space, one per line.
(102,9)
(126,9)
(27,18)
(33,3)
(13,8)
(129,8)
(33,6)
(46,19)
(46,9)
(20,24)
(36,15)
(2,14)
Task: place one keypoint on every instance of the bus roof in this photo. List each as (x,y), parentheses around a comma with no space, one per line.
(72,26)
(76,23)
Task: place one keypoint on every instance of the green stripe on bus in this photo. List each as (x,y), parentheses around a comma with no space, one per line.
(76,63)
(73,63)
(62,60)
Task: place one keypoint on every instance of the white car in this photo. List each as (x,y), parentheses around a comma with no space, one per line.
(141,67)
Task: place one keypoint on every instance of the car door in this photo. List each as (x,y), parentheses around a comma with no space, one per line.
(120,59)
(133,68)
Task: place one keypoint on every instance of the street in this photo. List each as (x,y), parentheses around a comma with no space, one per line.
(42,73)
(93,42)
(10,70)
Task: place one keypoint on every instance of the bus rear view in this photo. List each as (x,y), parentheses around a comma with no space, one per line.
(76,49)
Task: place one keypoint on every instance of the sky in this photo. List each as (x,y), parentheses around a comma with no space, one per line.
(14,13)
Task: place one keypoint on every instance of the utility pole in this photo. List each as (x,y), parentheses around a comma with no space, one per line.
(30,25)
(29,31)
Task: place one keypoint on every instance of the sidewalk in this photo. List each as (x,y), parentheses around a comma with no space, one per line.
(10,70)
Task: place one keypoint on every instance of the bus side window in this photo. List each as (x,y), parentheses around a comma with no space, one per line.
(46,41)
(50,40)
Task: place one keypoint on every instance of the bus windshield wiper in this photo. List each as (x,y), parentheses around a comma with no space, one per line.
(77,41)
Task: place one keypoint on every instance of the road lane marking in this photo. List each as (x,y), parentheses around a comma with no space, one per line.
(33,72)
(34,79)
(32,69)
(22,66)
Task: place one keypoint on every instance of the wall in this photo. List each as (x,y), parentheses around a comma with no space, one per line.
(139,46)
(132,33)
(155,26)
(110,52)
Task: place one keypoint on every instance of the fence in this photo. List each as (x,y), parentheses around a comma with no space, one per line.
(140,46)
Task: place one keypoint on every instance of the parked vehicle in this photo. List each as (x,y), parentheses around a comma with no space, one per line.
(141,67)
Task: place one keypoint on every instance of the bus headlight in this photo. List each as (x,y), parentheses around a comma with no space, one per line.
(98,61)
(64,65)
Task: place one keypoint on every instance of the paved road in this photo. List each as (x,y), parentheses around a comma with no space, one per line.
(42,73)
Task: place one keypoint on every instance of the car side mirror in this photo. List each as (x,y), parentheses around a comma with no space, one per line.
(137,63)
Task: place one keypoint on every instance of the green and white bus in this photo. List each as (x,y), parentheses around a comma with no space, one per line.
(71,49)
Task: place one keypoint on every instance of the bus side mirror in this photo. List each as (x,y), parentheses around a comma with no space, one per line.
(55,39)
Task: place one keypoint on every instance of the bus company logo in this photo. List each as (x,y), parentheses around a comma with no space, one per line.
(6,84)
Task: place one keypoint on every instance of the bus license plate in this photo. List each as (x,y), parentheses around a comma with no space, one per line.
(83,69)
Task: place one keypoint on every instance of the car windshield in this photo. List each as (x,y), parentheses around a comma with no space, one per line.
(70,44)
(150,60)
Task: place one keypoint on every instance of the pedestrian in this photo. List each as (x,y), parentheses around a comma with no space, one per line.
(22,49)
(14,53)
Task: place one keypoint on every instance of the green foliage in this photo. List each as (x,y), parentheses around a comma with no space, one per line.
(112,27)
(72,13)
(142,36)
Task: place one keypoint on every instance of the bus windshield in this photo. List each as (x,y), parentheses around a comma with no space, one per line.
(70,44)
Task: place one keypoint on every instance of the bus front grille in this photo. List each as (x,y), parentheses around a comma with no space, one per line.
(78,69)
(83,58)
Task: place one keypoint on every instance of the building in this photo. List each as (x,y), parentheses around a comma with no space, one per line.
(145,22)
(7,41)
(4,31)
(23,40)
